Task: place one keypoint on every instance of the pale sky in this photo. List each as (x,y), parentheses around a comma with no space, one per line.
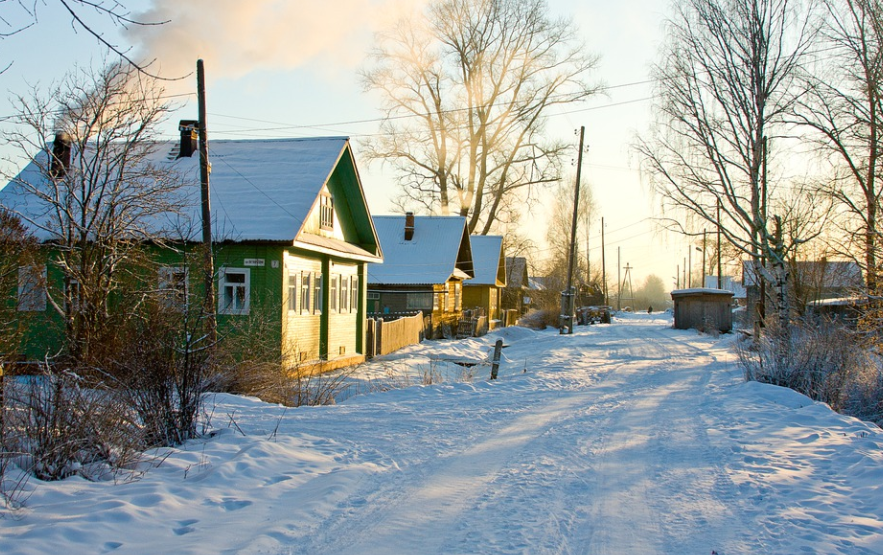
(277,68)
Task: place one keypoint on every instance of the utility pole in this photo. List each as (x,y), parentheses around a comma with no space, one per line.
(588,252)
(603,265)
(690,267)
(704,241)
(209,262)
(567,297)
(628,279)
(720,279)
(618,282)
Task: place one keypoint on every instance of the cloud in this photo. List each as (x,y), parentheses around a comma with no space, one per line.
(236,37)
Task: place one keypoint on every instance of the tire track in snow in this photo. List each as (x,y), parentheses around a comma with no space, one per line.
(427,503)
(597,453)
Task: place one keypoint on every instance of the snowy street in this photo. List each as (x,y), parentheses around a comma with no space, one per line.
(631,438)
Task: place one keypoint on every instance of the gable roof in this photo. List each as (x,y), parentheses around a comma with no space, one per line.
(261,190)
(490,264)
(439,249)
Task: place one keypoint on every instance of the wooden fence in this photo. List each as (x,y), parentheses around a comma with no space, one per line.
(386,337)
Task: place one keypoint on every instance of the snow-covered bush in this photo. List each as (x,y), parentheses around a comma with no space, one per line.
(57,425)
(164,372)
(824,360)
(250,362)
(540,319)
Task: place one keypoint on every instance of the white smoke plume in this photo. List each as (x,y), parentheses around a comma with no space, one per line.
(237,37)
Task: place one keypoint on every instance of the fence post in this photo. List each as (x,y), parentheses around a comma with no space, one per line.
(498,348)
(370,346)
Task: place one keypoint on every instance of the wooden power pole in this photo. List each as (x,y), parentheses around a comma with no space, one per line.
(208,262)
(568,297)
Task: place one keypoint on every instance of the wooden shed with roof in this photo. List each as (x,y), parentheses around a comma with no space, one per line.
(703,309)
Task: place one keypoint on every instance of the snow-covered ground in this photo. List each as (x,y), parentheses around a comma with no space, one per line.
(631,438)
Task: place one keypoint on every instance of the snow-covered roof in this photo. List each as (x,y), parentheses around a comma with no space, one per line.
(487,254)
(700,291)
(440,248)
(539,283)
(260,189)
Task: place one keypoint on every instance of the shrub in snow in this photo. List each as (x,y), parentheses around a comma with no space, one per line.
(56,425)
(540,319)
(250,362)
(821,359)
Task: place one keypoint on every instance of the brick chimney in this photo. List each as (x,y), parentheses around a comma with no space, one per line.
(409,226)
(189,137)
(61,155)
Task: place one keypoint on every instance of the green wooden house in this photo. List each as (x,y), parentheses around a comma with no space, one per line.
(292,237)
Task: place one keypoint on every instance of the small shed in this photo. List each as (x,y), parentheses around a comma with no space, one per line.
(703,309)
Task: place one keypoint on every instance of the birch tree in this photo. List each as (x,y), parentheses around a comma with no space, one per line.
(466,90)
(725,85)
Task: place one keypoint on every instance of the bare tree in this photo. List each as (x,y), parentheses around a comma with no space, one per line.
(466,91)
(843,108)
(98,186)
(725,84)
(558,232)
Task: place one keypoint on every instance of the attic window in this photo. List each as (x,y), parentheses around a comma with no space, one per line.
(326,212)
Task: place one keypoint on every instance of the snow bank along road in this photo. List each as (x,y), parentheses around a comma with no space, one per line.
(631,438)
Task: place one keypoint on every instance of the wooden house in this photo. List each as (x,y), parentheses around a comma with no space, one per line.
(484,291)
(426,259)
(292,237)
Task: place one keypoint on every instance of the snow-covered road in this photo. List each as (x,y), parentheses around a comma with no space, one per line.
(631,438)
(585,463)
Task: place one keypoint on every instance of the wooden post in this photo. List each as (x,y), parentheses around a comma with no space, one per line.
(498,348)
(566,325)
(208,261)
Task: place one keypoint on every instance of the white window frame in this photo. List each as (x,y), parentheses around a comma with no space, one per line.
(334,293)
(354,294)
(306,292)
(31,289)
(223,285)
(318,286)
(326,211)
(176,300)
(293,291)
(344,304)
